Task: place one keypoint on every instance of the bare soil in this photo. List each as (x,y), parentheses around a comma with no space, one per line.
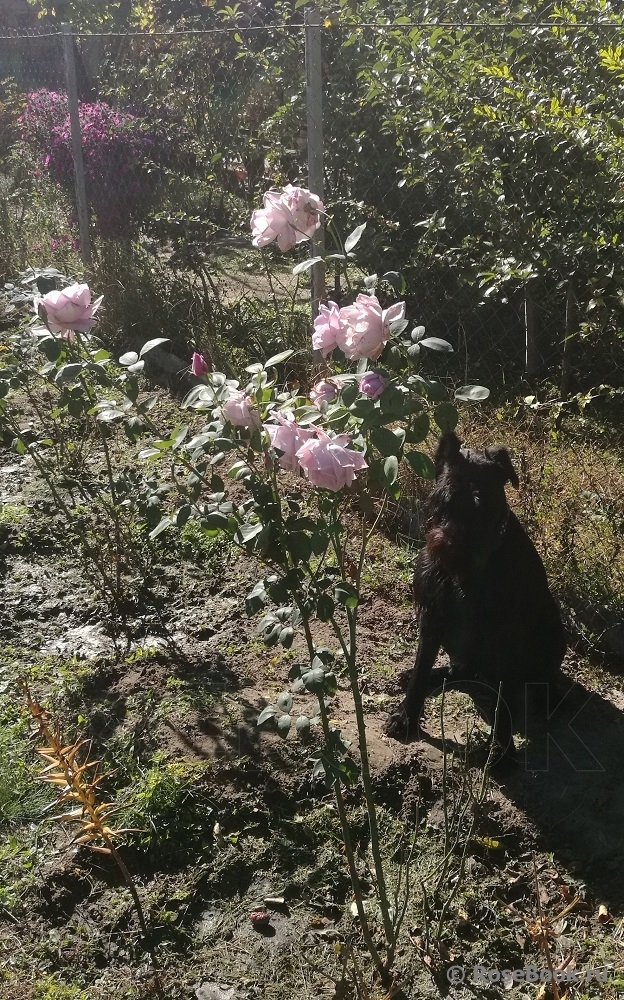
(249,826)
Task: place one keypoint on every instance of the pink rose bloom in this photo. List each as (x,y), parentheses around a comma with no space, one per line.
(70,309)
(239,410)
(326,328)
(327,462)
(287,436)
(199,366)
(365,327)
(372,384)
(288,217)
(323,392)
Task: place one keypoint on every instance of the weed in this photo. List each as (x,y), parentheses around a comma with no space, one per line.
(211,553)
(50,988)
(168,808)
(21,799)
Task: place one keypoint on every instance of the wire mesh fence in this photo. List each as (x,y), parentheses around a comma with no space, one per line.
(486,158)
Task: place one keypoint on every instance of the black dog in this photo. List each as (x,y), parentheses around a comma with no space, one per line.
(483,596)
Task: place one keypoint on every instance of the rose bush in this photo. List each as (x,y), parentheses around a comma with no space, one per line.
(348,437)
(324,391)
(199,365)
(287,437)
(328,462)
(68,310)
(326,329)
(372,384)
(365,327)
(288,218)
(239,410)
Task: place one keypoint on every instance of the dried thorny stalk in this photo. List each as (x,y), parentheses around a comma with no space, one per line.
(77,784)
(542,930)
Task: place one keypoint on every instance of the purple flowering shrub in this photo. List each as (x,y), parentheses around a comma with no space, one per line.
(121,157)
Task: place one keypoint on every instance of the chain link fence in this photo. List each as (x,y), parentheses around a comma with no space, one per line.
(487,160)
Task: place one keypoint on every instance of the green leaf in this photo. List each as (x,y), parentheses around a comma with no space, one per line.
(313,679)
(421,464)
(277,359)
(150,344)
(435,344)
(247,532)
(283,726)
(160,527)
(354,238)
(346,594)
(386,441)
(183,515)
(267,713)
(178,436)
(350,393)
(324,608)
(234,470)
(436,391)
(419,429)
(302,725)
(200,397)
(51,348)
(472,393)
(299,545)
(270,636)
(319,541)
(392,402)
(391,469)
(68,373)
(129,358)
(256,597)
(395,279)
(286,637)
(284,701)
(446,416)
(107,416)
(305,265)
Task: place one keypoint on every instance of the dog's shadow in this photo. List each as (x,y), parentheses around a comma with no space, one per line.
(568,779)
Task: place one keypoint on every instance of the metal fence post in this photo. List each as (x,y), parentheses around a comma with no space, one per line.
(531,351)
(314,104)
(82,207)
(571,328)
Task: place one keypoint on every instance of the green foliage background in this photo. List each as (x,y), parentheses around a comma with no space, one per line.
(483,146)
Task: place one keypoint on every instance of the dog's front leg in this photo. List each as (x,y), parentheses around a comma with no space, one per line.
(404,724)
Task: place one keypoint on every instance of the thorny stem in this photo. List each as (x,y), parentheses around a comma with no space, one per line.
(474,801)
(342,815)
(350,652)
(366,779)
(544,941)
(278,311)
(346,836)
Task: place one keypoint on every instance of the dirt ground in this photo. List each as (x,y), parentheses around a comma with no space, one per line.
(241,822)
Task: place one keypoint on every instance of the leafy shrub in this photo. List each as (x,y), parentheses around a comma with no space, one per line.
(122,157)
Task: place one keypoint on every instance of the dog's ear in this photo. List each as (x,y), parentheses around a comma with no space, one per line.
(448,451)
(500,455)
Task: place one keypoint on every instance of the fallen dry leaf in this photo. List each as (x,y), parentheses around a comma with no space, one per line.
(604,917)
